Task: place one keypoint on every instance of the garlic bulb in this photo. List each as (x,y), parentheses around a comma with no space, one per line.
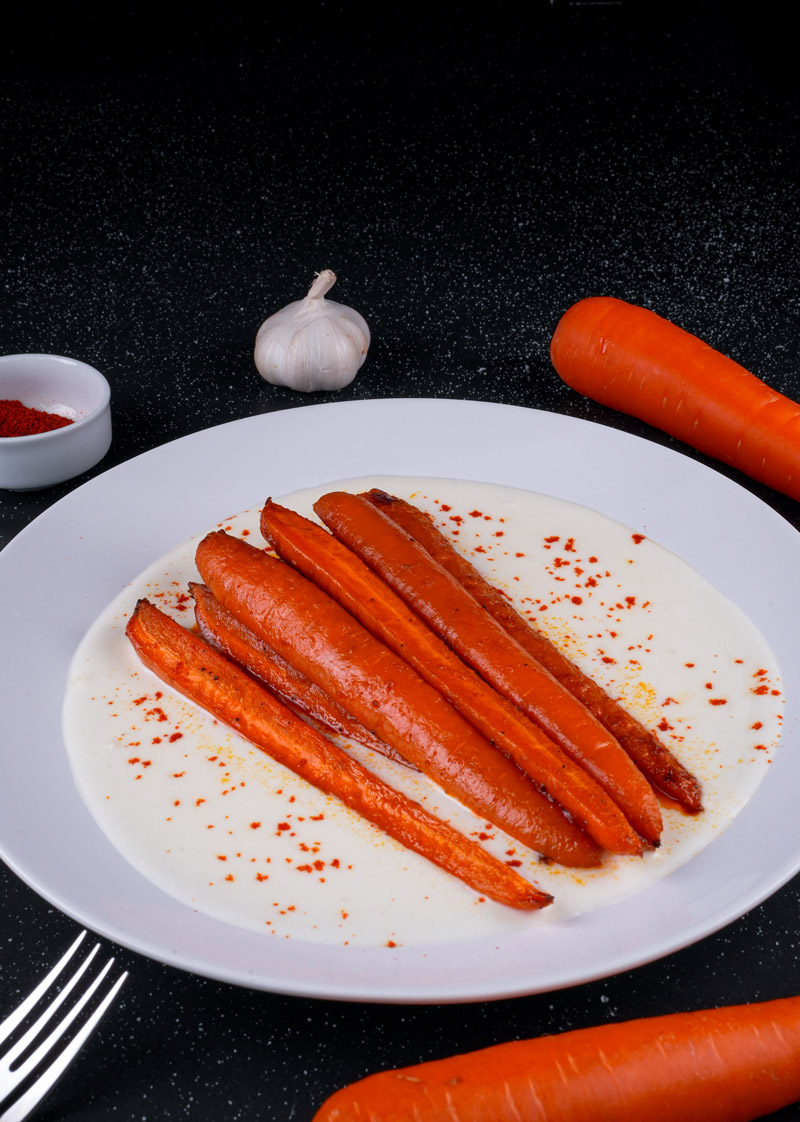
(312,344)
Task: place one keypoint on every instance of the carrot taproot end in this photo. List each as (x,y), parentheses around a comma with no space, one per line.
(184,661)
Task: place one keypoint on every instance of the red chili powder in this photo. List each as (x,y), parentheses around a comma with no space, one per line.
(17,419)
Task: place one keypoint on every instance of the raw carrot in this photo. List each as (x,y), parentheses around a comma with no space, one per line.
(733,1064)
(635,361)
(379,689)
(222,630)
(338,571)
(654,759)
(482,643)
(186,663)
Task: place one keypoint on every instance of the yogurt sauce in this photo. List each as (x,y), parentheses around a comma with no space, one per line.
(218,825)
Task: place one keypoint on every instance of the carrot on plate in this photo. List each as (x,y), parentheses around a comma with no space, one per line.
(380,690)
(733,1064)
(347,579)
(222,630)
(661,767)
(636,361)
(186,663)
(483,644)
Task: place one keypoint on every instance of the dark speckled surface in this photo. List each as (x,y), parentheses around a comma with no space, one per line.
(169,181)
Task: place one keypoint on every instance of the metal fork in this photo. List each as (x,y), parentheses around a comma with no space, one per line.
(16,1067)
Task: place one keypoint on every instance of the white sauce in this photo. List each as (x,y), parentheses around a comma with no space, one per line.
(220,826)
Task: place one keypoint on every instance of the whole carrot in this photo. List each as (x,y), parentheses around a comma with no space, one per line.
(483,644)
(654,759)
(719,1065)
(222,630)
(186,663)
(635,361)
(381,691)
(347,579)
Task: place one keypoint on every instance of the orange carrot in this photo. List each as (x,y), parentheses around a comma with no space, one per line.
(222,630)
(631,359)
(185,662)
(482,643)
(653,758)
(379,689)
(344,576)
(733,1064)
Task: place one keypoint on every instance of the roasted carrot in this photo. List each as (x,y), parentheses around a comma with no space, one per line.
(222,630)
(186,663)
(635,361)
(338,571)
(733,1064)
(482,643)
(663,769)
(380,690)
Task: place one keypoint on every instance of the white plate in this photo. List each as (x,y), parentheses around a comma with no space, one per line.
(59,573)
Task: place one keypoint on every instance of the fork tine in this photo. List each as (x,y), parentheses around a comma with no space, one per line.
(36,1092)
(25,1068)
(22,1010)
(9,1058)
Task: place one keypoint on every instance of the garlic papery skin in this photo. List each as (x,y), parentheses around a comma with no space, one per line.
(312,344)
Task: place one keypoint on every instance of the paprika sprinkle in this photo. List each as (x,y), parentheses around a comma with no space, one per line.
(17,419)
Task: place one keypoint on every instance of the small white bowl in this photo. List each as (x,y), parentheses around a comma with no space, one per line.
(58,385)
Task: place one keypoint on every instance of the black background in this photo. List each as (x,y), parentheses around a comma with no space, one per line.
(171,178)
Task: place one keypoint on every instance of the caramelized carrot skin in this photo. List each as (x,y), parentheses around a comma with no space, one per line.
(184,661)
(722,1065)
(635,361)
(380,690)
(652,757)
(482,643)
(320,557)
(222,630)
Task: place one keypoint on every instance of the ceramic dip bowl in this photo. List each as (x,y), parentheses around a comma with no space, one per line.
(65,387)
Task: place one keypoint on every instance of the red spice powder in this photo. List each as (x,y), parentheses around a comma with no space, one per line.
(17,419)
